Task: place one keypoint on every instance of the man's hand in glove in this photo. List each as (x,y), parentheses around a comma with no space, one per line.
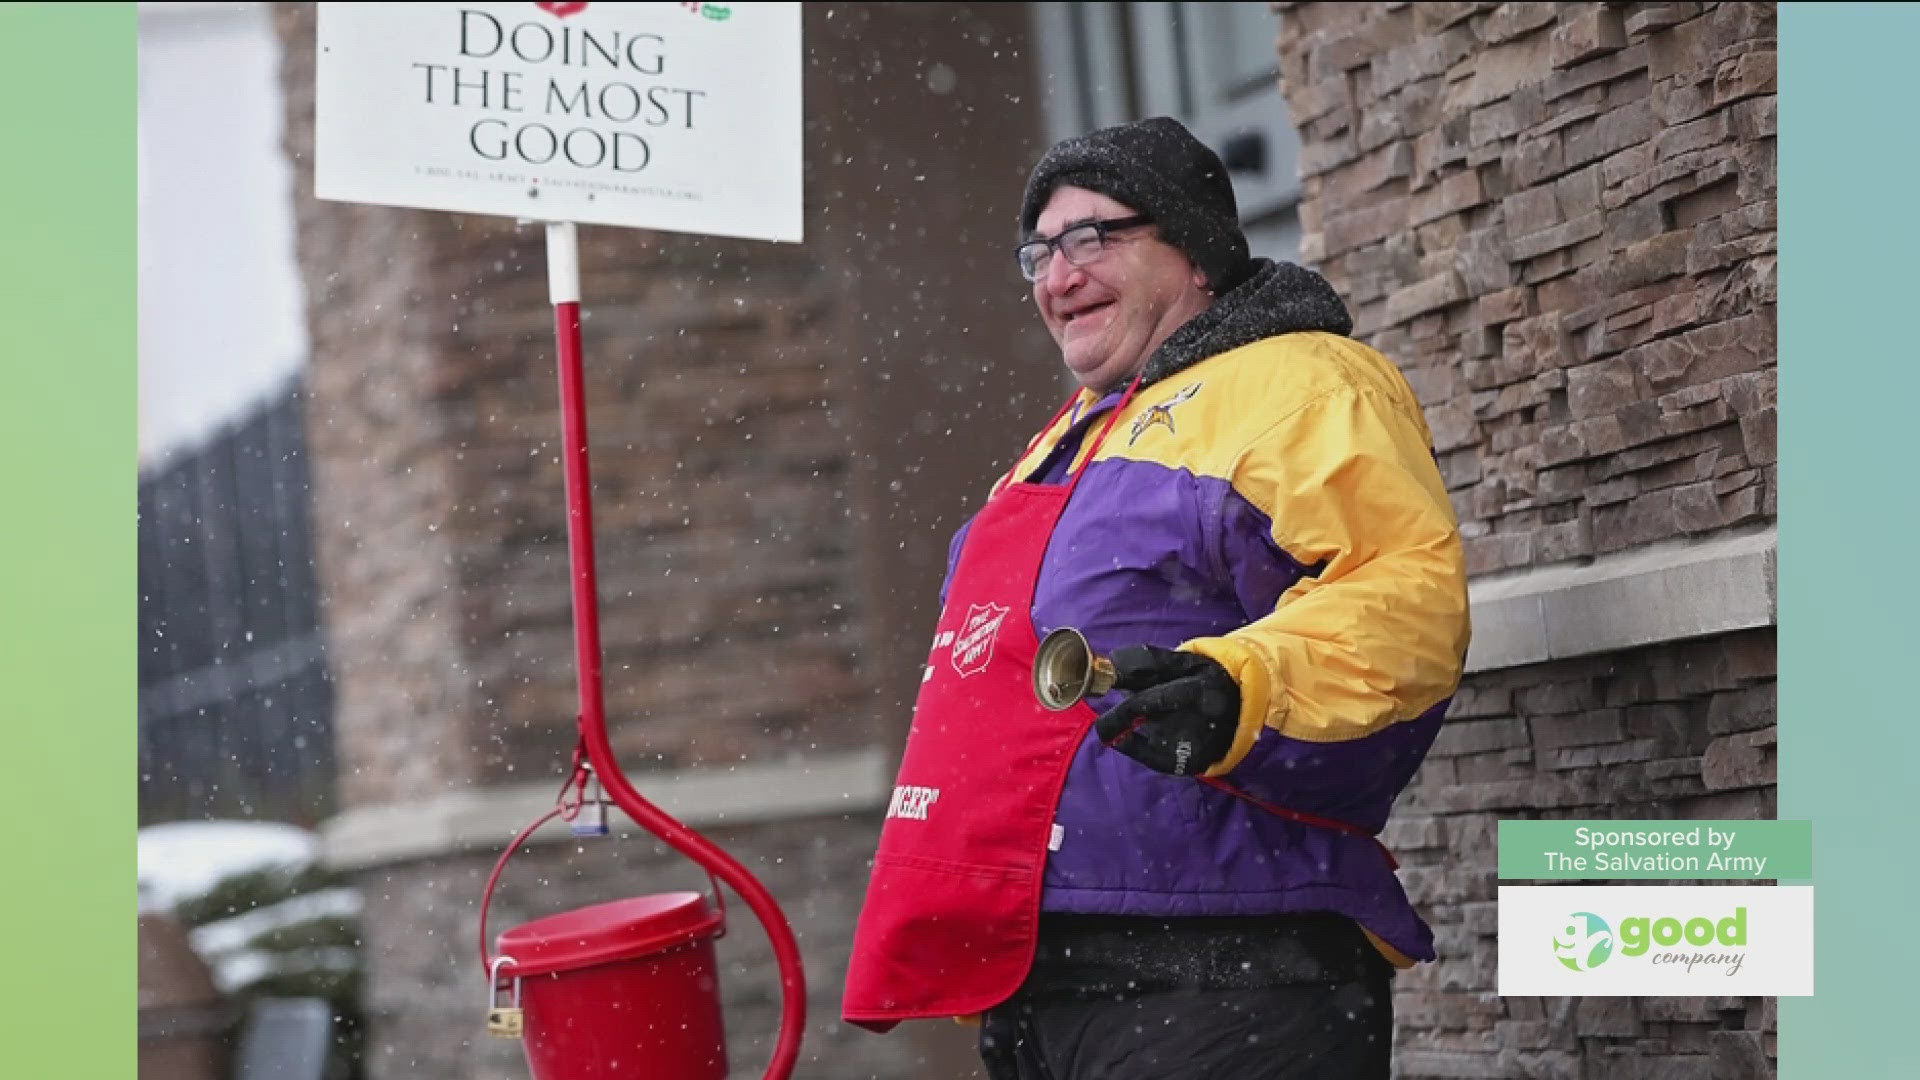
(1182,715)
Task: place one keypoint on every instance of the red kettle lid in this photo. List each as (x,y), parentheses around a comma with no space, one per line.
(603,933)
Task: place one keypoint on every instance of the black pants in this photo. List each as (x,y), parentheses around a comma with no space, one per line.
(1340,1032)
(1335,1027)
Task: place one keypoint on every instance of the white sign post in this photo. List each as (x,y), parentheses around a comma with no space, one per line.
(683,117)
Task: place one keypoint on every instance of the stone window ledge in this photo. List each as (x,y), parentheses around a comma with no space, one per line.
(1663,592)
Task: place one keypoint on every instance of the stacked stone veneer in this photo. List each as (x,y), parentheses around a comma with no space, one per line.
(783,439)
(1559,219)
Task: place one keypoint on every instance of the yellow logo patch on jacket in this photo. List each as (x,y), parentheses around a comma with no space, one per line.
(1160,414)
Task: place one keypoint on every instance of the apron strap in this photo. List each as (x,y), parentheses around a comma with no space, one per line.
(1302,817)
(1007,478)
(1104,430)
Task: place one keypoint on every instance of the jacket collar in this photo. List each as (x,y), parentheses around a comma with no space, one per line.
(1276,298)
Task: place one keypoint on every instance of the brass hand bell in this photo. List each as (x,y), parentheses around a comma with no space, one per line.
(1065,670)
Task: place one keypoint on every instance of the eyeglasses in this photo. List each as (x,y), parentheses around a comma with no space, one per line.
(1081,244)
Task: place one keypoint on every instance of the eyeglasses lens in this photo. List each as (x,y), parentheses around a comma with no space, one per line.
(1080,244)
(1033,259)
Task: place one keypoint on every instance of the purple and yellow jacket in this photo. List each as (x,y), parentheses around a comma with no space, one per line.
(1268,499)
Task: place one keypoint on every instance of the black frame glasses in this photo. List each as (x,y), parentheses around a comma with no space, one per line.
(1079,244)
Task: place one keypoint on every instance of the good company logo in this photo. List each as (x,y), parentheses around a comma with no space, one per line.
(1586,941)
(1630,940)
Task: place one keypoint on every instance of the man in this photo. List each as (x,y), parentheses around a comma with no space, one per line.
(1241,507)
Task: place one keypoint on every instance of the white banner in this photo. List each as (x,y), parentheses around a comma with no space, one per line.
(1656,940)
(679,116)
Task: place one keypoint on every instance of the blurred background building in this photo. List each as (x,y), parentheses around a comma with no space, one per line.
(1558,219)
(235,704)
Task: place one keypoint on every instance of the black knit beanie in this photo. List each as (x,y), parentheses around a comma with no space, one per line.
(1156,167)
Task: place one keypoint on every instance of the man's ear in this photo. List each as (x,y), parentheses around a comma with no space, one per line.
(1199,279)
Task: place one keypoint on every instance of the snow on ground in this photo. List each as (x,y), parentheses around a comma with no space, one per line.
(184,859)
(227,935)
(242,969)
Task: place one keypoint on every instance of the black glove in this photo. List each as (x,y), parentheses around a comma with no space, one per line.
(1182,715)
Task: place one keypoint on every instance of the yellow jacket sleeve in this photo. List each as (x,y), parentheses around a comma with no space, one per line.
(1377,630)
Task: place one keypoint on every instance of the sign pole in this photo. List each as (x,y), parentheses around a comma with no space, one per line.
(563,286)
(440,107)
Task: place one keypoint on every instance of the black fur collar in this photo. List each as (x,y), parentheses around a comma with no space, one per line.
(1277,298)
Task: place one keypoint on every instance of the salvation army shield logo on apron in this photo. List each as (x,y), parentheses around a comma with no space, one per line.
(973,643)
(952,911)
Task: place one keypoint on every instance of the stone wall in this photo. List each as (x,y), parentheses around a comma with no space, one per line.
(1559,220)
(1673,731)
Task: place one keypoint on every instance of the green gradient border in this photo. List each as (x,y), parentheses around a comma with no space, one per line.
(1849,389)
(67,553)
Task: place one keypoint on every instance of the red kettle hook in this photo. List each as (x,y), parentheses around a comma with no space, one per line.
(563,280)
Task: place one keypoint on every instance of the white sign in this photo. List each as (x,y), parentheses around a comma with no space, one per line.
(1656,940)
(684,117)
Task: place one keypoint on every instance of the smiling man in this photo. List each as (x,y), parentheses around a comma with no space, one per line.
(1181,877)
(1107,314)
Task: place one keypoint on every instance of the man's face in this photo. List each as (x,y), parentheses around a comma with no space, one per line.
(1109,315)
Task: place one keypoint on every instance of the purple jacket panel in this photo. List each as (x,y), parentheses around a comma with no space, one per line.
(1149,554)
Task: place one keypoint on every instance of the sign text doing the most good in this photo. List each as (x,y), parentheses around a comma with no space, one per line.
(683,117)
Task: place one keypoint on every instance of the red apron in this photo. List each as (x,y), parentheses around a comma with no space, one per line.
(953,906)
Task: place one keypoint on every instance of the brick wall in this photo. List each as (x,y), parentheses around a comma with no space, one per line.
(754,507)
(781,439)
(420,923)
(1559,220)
